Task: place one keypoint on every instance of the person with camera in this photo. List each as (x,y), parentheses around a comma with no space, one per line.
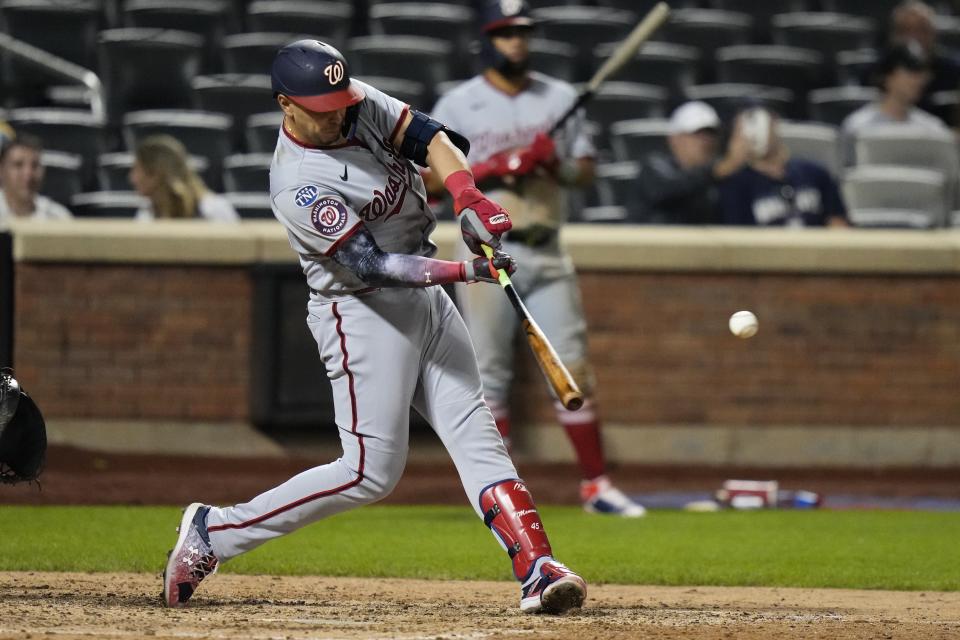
(775,188)
(680,186)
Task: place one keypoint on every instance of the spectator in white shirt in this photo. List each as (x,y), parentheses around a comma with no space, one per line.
(162,175)
(903,72)
(21,178)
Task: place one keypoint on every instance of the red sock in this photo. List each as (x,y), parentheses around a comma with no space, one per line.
(501,415)
(583,430)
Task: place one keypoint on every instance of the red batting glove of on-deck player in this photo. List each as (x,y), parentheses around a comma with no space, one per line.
(542,152)
(485,269)
(482,220)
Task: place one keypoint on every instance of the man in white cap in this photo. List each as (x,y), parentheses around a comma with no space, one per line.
(680,186)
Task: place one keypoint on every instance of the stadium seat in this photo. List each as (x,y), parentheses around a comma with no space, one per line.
(853,67)
(948,31)
(202,133)
(616,101)
(825,33)
(707,30)
(895,196)
(62,175)
(113,170)
(672,66)
(413,93)
(424,60)
(602,214)
(106,204)
(908,146)
(761,11)
(450,22)
(879,9)
(833,104)
(632,140)
(210,19)
(65,29)
(74,131)
(251,205)
(616,184)
(946,106)
(237,95)
(247,172)
(254,52)
(584,28)
(262,130)
(797,70)
(729,98)
(148,69)
(811,141)
(556,59)
(327,21)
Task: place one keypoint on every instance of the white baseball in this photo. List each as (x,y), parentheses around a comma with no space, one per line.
(743,324)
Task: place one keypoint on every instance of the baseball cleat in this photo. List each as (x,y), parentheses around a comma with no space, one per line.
(600,496)
(192,558)
(552,588)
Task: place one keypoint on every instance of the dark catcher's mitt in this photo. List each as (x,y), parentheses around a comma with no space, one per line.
(23,433)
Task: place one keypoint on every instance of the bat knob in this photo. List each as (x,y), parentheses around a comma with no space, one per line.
(573,401)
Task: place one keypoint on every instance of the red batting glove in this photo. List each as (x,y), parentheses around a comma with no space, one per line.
(495,166)
(482,220)
(541,152)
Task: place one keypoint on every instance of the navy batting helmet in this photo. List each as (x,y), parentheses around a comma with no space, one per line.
(315,76)
(498,14)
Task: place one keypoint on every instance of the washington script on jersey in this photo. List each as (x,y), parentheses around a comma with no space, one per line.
(393,194)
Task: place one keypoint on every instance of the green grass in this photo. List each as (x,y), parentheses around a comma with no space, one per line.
(875,550)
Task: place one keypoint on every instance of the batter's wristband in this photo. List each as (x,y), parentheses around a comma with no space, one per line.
(458,182)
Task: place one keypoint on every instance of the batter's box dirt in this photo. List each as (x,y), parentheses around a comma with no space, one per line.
(69,605)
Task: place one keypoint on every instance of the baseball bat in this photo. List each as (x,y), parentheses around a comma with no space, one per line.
(623,53)
(557,375)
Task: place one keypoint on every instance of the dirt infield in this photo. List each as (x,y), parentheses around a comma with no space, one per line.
(68,606)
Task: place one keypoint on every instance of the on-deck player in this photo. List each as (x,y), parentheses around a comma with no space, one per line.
(343,184)
(505,113)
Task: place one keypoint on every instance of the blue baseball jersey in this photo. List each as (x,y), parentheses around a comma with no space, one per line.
(807,196)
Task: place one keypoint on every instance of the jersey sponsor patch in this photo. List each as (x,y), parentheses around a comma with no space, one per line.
(329,216)
(307,195)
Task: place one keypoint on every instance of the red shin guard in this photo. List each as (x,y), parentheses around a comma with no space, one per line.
(509,511)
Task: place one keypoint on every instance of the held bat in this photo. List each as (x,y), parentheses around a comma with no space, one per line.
(623,53)
(556,374)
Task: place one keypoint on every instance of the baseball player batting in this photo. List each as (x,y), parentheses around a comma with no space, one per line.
(505,113)
(343,183)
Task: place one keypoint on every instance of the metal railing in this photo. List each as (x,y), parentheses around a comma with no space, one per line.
(59,67)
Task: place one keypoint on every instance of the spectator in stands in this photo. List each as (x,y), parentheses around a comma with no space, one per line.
(21,178)
(161,172)
(775,188)
(681,186)
(913,21)
(901,74)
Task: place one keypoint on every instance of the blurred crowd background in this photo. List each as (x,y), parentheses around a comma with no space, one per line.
(153,108)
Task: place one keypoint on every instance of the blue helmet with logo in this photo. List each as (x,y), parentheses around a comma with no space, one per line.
(497,15)
(315,76)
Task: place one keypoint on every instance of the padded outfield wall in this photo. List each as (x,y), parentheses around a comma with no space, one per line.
(857,362)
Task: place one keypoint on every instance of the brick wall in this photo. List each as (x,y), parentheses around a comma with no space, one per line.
(141,342)
(173,342)
(847,350)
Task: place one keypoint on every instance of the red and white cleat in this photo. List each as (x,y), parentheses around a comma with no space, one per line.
(600,496)
(192,558)
(552,588)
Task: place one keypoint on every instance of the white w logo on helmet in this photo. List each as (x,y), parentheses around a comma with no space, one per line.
(334,72)
(510,7)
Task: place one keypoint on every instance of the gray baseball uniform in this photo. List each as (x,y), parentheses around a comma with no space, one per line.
(494,122)
(384,349)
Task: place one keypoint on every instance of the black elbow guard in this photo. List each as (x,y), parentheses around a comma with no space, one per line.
(419,134)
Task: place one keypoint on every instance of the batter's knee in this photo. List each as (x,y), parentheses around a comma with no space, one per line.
(380,480)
